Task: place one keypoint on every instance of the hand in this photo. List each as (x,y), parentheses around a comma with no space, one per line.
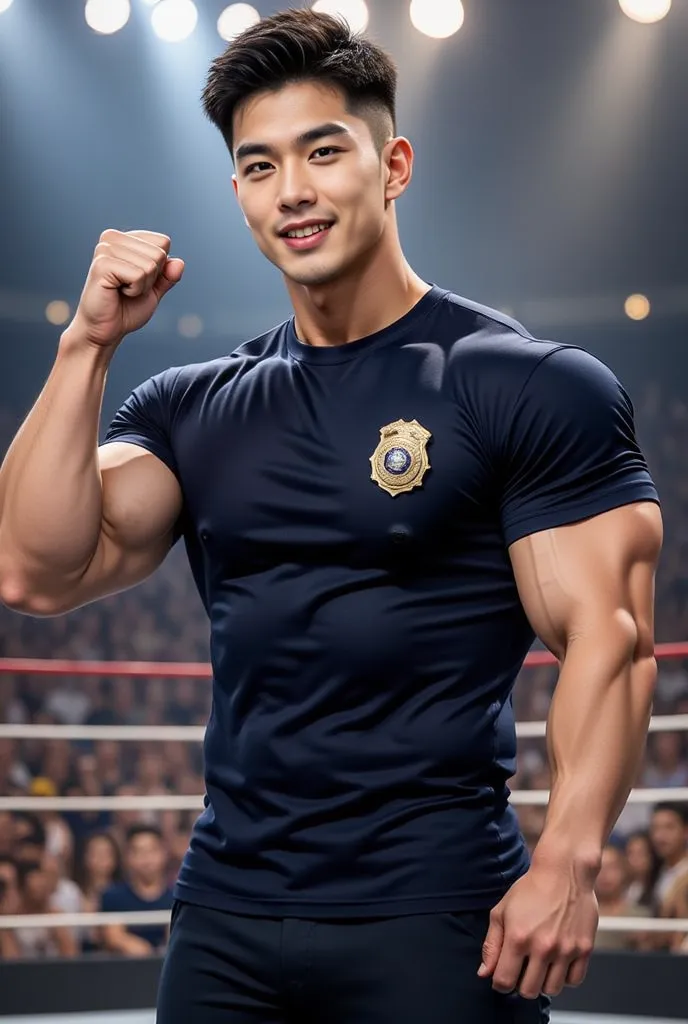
(541,934)
(128,277)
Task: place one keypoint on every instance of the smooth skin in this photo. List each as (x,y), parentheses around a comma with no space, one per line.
(77,523)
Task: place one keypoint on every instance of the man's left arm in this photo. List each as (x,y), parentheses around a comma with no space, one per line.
(588,591)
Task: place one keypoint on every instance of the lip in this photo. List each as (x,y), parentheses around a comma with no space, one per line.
(306,244)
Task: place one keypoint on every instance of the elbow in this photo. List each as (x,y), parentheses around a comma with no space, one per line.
(18,596)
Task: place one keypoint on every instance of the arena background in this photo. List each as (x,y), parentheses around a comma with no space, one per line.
(552,160)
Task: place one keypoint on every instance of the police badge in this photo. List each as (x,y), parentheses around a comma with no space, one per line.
(400,460)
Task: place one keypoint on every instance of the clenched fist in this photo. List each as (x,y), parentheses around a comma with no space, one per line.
(130,273)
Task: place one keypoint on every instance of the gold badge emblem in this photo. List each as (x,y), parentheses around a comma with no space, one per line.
(400,460)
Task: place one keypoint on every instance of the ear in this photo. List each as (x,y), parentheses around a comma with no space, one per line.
(398,156)
(235,183)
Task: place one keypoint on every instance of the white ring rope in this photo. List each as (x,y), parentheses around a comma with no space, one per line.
(196,733)
(162,917)
(36,804)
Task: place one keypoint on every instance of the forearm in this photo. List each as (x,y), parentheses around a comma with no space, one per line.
(50,487)
(596,738)
(119,940)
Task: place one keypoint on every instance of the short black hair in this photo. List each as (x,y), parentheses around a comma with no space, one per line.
(142,830)
(26,868)
(300,46)
(673,807)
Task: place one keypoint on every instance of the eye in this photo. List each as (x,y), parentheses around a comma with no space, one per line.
(324,151)
(256,168)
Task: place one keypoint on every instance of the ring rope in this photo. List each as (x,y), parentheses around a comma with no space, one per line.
(158,917)
(203,670)
(196,733)
(162,802)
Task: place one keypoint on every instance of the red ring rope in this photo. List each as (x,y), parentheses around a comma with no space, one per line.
(203,670)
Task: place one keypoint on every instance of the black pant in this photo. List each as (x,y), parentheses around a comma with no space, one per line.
(228,969)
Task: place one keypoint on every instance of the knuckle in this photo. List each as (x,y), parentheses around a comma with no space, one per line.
(584,948)
(546,948)
(519,939)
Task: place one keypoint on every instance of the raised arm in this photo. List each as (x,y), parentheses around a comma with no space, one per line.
(588,591)
(77,522)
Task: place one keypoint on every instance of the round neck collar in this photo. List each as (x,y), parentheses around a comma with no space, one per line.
(324,354)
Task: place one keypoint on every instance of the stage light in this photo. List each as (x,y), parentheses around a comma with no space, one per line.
(5,5)
(645,11)
(437,18)
(174,20)
(637,307)
(107,16)
(354,12)
(190,326)
(236,19)
(57,312)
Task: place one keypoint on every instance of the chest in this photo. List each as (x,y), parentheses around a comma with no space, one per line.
(290,462)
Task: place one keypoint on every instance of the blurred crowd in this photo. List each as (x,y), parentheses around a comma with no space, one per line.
(127,860)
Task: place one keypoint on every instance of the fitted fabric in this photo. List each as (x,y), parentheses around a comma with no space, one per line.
(365,641)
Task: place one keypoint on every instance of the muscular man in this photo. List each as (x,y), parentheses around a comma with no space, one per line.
(383,500)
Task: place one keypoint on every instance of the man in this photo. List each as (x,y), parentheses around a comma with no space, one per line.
(383,500)
(145,888)
(611,889)
(669,838)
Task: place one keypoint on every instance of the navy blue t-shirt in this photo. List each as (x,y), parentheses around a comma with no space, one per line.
(121,898)
(365,637)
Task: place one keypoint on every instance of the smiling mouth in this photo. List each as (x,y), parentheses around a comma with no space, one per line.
(307,238)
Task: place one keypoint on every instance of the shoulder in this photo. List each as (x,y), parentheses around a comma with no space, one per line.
(499,358)
(177,382)
(116,896)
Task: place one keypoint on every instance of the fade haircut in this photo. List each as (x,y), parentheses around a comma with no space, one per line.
(303,46)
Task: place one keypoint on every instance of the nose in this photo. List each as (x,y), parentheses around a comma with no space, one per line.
(296,188)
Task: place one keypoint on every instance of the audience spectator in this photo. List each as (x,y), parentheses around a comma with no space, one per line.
(643,868)
(669,836)
(145,887)
(611,889)
(35,898)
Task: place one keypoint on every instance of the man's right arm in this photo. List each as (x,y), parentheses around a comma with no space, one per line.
(78,522)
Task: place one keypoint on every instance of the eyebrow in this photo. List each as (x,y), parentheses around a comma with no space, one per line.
(322,131)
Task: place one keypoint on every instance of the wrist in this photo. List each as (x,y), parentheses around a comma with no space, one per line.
(581,858)
(75,342)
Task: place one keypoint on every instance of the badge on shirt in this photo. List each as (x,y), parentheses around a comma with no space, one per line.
(400,460)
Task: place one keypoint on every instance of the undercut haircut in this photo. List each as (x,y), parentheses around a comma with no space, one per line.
(303,46)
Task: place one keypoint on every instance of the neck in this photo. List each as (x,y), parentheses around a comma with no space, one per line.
(675,858)
(147,889)
(375,293)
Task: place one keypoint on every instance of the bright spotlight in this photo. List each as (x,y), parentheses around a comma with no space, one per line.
(354,12)
(107,16)
(174,20)
(645,11)
(57,312)
(5,5)
(236,19)
(437,18)
(637,307)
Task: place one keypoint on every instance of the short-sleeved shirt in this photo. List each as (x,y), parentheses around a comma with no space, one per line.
(348,513)
(121,898)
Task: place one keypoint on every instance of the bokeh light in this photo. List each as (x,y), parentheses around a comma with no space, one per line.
(236,19)
(637,307)
(174,20)
(646,11)
(57,312)
(190,326)
(354,12)
(437,18)
(107,16)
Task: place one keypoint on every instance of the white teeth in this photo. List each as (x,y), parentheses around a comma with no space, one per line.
(307,232)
